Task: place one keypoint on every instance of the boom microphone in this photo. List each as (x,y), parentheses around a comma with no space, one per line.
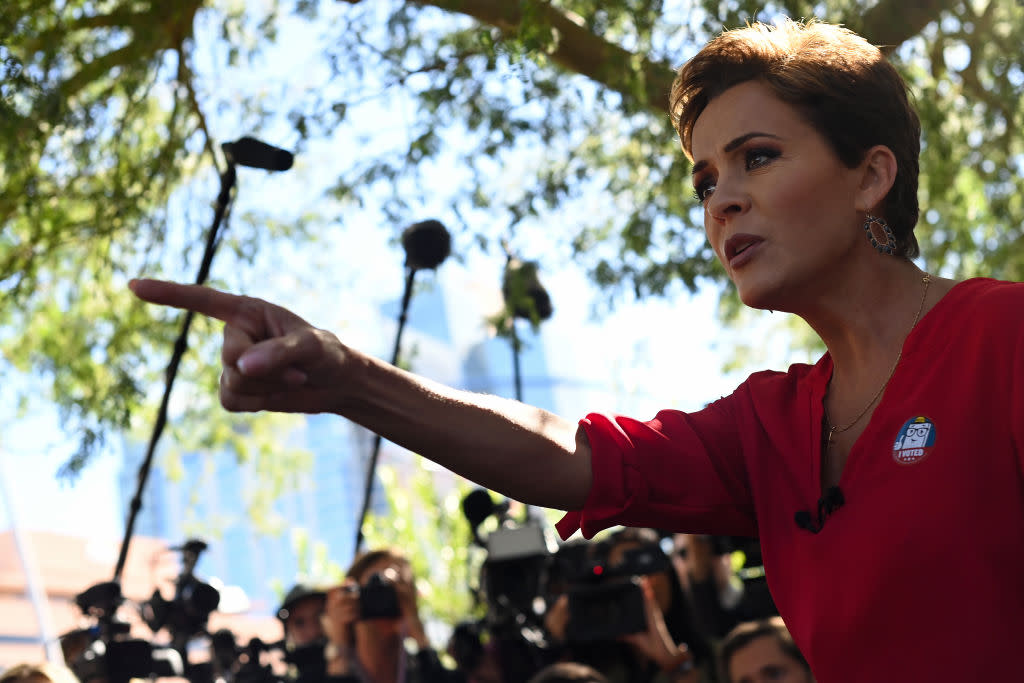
(478,506)
(249,151)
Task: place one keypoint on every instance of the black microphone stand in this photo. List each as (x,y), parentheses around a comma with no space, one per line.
(228,179)
(427,244)
(525,297)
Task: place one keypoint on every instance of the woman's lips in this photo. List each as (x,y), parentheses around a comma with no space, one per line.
(740,249)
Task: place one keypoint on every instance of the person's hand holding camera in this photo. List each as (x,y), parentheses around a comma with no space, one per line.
(341,611)
(656,642)
(405,589)
(556,619)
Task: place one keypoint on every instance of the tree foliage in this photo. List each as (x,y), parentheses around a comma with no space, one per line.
(111,111)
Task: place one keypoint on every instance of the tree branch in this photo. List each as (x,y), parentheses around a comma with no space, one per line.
(888,24)
(185,78)
(891,23)
(118,18)
(92,71)
(577,49)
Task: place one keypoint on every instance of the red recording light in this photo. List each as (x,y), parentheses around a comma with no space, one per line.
(598,570)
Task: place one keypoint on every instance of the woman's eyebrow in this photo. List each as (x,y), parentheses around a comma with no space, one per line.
(732,145)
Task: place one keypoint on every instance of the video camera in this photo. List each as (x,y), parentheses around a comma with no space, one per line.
(606,602)
(105,651)
(237,664)
(512,581)
(518,556)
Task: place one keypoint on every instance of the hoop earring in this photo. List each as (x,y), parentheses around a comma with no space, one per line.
(889,246)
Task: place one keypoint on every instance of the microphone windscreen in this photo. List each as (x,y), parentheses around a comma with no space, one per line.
(477,506)
(249,151)
(427,244)
(521,285)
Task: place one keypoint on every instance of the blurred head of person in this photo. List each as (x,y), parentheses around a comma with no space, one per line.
(300,615)
(44,672)
(762,651)
(568,672)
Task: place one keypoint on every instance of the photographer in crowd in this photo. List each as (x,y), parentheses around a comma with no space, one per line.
(300,615)
(724,578)
(707,576)
(367,621)
(628,615)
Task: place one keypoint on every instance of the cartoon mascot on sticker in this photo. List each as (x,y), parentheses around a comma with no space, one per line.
(915,441)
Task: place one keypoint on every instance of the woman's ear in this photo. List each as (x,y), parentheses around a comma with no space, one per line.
(878,173)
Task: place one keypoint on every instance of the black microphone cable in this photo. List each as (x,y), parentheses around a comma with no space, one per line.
(246,151)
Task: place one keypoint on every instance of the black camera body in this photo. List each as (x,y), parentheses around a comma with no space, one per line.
(378,599)
(605,603)
(108,653)
(120,661)
(514,573)
(606,610)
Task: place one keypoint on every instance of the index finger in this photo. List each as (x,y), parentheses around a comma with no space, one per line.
(209,302)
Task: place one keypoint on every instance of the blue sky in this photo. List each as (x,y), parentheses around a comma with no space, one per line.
(32,450)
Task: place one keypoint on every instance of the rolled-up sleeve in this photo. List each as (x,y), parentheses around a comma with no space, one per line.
(679,472)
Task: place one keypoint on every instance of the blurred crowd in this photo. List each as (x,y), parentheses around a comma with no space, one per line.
(635,606)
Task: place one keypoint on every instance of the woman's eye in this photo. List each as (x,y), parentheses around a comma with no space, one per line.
(757,158)
(703,191)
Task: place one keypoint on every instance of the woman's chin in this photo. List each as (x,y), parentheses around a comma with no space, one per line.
(756,297)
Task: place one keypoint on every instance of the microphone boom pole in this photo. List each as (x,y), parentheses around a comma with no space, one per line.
(227,183)
(427,244)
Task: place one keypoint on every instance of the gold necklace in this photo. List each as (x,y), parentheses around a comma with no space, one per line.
(836,429)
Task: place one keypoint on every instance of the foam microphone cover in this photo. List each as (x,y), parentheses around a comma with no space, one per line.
(427,244)
(477,506)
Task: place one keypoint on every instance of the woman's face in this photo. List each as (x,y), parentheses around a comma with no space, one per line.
(781,209)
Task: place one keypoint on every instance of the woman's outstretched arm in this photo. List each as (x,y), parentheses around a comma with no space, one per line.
(274,360)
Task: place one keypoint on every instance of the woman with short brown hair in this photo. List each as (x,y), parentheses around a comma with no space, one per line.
(856,471)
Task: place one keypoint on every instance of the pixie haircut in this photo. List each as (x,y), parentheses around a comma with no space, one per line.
(842,85)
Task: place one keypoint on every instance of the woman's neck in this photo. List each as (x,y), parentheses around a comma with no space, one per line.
(864,317)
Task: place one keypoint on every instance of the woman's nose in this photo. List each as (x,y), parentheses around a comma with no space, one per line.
(728,201)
